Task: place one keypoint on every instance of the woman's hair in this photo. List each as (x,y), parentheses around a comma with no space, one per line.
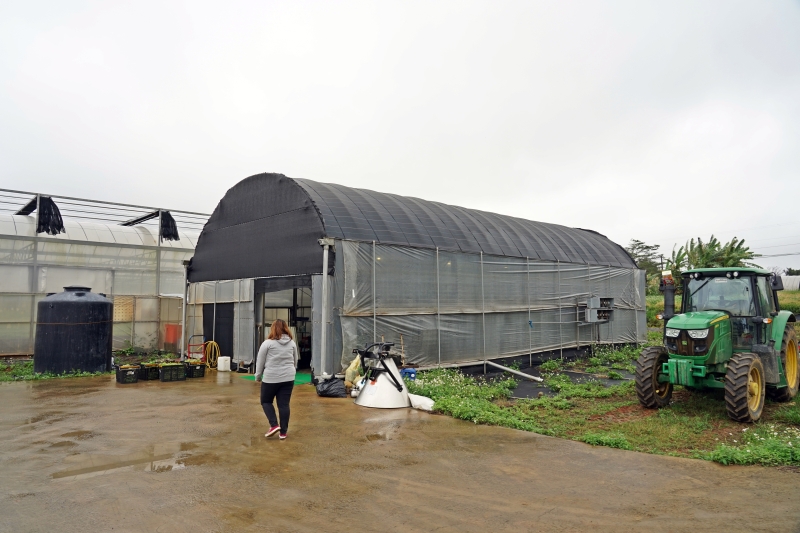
(278,329)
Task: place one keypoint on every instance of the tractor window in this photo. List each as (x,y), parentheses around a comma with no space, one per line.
(734,296)
(765,296)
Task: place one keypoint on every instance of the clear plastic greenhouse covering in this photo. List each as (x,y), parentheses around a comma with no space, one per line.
(790,283)
(144,277)
(455,307)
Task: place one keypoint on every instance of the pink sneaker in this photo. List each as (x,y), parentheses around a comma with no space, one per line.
(272,431)
(283,436)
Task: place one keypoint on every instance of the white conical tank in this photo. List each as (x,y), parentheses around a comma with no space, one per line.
(382,392)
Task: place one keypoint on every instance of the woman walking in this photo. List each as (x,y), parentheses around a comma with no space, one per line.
(275,369)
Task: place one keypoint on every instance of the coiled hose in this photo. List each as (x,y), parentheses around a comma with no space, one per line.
(212,354)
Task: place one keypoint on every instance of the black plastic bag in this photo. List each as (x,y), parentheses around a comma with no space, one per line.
(332,388)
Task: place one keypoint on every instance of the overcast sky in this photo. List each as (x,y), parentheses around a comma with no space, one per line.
(651,120)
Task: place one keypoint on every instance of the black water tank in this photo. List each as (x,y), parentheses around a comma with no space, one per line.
(73,332)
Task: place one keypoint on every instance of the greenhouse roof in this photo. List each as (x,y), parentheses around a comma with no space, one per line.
(364,215)
(268,225)
(96,233)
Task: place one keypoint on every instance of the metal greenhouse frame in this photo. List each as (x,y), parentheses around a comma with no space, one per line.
(142,272)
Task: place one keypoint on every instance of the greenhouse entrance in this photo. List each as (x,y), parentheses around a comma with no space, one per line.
(294,307)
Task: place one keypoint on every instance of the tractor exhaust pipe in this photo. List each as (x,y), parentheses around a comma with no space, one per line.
(667,286)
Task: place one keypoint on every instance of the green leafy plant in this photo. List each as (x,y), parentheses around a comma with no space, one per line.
(612,440)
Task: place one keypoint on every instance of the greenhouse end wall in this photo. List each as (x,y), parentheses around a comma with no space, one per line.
(451,307)
(143,277)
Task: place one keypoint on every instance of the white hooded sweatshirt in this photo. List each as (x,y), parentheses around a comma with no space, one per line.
(277,360)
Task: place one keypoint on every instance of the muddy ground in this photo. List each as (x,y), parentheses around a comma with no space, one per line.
(87,455)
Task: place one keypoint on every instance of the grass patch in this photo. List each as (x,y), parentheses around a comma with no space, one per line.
(23,371)
(694,425)
(612,440)
(790,300)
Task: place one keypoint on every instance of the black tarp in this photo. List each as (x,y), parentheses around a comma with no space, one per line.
(268,225)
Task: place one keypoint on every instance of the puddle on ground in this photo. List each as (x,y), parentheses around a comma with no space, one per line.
(44,416)
(158,459)
(80,435)
(63,444)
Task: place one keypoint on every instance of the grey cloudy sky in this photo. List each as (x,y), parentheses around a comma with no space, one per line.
(651,120)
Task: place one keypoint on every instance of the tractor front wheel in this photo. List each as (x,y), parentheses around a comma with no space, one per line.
(745,387)
(791,367)
(652,393)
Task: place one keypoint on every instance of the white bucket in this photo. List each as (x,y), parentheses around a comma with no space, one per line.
(224,364)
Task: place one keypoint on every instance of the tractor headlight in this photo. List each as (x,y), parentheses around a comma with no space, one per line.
(672,332)
(698,333)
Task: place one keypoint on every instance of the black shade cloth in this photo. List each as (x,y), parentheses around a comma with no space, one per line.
(50,220)
(169,230)
(268,225)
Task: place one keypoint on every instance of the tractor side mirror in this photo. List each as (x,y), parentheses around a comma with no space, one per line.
(776,283)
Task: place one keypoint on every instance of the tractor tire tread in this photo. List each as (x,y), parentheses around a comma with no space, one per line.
(645,376)
(783,394)
(736,385)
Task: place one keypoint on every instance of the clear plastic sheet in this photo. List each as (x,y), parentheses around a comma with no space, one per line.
(119,261)
(454,307)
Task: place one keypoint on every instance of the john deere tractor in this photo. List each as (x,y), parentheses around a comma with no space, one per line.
(730,334)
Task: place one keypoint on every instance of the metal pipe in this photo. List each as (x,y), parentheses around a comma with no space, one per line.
(103,202)
(530,324)
(511,371)
(438,313)
(323,352)
(374,303)
(560,338)
(214,320)
(183,311)
(483,315)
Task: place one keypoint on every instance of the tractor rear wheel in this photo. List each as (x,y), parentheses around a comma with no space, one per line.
(745,387)
(791,367)
(652,393)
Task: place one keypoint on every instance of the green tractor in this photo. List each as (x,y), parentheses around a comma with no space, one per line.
(730,334)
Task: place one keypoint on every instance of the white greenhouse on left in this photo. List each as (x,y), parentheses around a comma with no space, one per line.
(132,264)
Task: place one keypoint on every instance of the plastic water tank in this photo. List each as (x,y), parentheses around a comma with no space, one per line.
(224,364)
(74,332)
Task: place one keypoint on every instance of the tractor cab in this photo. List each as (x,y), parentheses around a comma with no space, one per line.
(729,334)
(744,296)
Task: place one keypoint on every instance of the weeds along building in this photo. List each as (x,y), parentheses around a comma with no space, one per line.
(120,250)
(453,285)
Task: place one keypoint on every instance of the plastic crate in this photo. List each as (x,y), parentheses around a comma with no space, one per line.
(175,372)
(127,373)
(195,370)
(149,372)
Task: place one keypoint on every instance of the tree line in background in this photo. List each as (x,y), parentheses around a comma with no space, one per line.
(694,254)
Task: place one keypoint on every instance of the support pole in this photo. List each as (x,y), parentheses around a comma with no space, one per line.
(214,320)
(374,303)
(530,322)
(511,371)
(560,338)
(323,354)
(438,312)
(183,311)
(34,285)
(483,316)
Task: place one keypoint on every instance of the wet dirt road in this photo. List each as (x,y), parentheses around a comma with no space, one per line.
(90,455)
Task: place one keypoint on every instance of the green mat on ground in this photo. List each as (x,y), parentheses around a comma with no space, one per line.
(299,379)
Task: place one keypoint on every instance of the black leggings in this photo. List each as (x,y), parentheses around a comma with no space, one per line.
(283,391)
